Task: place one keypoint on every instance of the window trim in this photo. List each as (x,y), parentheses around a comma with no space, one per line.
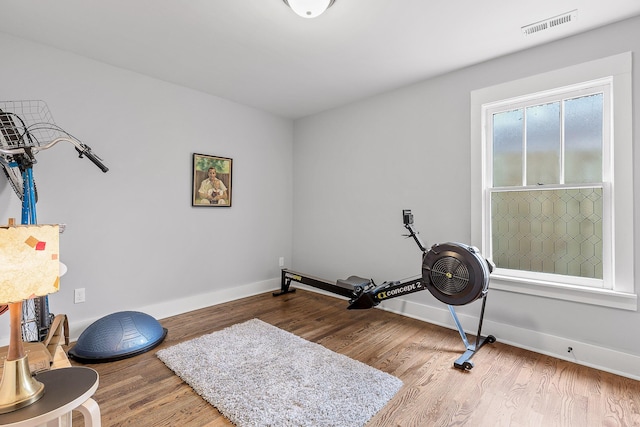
(619,69)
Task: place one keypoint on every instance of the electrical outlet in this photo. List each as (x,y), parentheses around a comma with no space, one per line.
(281,261)
(78,295)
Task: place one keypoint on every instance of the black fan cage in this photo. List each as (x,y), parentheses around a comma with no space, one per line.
(455,273)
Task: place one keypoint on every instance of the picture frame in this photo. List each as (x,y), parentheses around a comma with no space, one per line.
(211,181)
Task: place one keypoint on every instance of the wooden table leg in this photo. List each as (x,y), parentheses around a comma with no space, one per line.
(91,412)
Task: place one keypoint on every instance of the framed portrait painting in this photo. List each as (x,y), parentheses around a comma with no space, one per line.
(211,186)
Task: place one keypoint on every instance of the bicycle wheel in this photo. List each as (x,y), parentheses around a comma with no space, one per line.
(10,138)
(14,176)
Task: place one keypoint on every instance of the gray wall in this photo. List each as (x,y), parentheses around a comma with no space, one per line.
(133,241)
(357,167)
(354,169)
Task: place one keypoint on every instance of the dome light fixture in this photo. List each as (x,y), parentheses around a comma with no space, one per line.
(309,8)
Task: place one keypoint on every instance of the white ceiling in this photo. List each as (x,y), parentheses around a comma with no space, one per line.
(259,53)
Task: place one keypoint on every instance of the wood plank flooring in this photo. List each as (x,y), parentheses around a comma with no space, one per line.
(507,387)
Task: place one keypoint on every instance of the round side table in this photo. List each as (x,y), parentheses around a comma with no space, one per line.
(65,389)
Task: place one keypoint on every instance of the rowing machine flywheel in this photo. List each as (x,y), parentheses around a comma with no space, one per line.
(455,273)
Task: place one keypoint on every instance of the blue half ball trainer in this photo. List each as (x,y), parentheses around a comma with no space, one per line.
(118,336)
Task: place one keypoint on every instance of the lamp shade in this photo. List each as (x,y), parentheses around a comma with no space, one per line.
(29,262)
(309,8)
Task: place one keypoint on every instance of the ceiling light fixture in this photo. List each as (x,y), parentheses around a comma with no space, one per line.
(309,8)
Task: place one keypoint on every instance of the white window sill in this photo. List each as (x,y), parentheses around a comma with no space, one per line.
(579,294)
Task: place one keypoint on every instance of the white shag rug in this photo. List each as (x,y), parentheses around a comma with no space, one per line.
(256,374)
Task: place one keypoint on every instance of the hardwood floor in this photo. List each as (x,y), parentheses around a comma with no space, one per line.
(507,387)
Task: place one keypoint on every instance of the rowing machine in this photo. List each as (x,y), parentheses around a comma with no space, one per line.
(454,273)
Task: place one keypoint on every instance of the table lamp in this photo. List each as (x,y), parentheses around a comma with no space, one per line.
(29,267)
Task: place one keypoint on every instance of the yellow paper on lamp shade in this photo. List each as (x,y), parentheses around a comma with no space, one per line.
(29,262)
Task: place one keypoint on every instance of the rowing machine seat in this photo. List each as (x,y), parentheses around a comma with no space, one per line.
(354,282)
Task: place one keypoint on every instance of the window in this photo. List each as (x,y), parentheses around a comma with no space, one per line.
(548,152)
(545,183)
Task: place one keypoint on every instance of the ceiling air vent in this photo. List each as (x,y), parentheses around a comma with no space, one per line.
(548,23)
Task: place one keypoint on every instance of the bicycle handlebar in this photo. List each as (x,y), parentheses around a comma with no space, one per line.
(81,148)
(95,159)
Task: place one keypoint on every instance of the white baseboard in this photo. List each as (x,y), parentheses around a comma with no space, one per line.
(183,305)
(602,358)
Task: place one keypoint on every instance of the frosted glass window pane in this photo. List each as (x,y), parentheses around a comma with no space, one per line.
(583,139)
(543,144)
(549,231)
(507,148)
